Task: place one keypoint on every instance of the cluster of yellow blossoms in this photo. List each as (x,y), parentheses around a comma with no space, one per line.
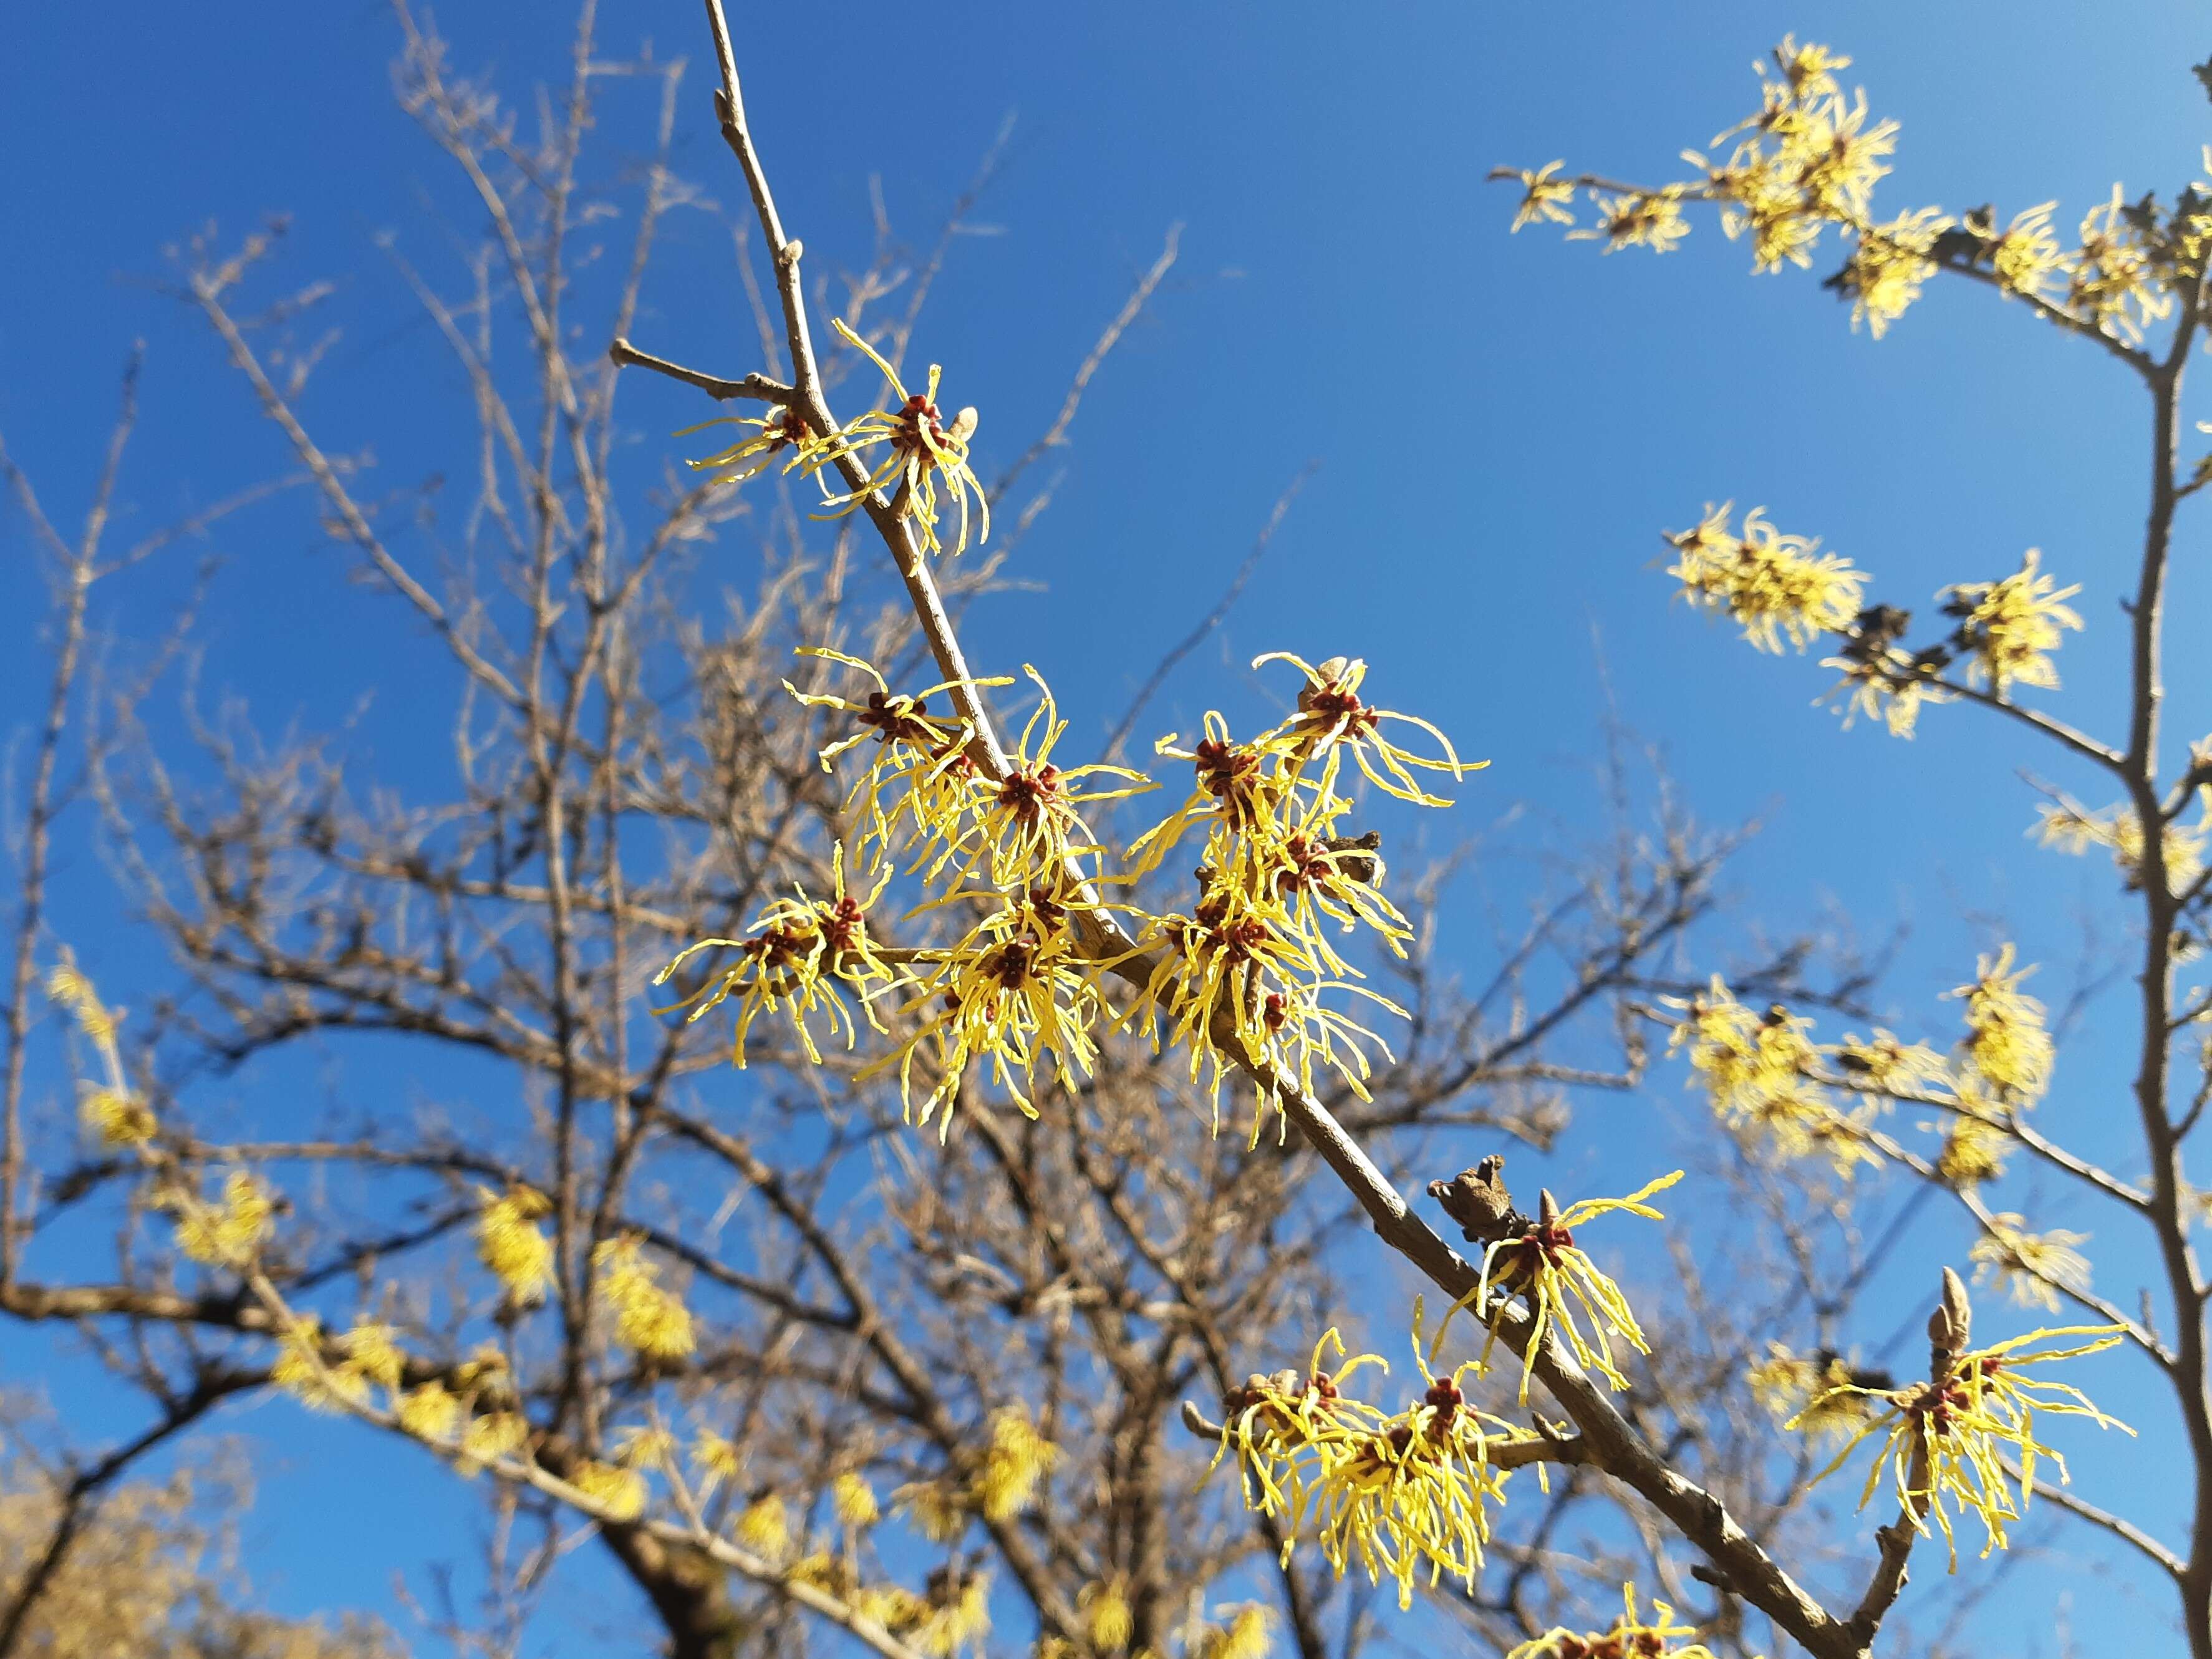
(1404,1496)
(1808,159)
(1764,1071)
(2119,830)
(1779,587)
(1250,978)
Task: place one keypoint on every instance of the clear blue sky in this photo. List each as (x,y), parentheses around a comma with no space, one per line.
(1504,423)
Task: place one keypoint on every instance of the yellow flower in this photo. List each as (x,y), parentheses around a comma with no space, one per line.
(649,1320)
(1023,828)
(495,1435)
(1545,197)
(118,1117)
(1759,1071)
(764,1526)
(783,428)
(1014,1466)
(2033,1266)
(1332,718)
(1788,1383)
(1540,1262)
(1838,157)
(2118,829)
(1772,585)
(920,758)
(1404,1496)
(227,1236)
(430,1413)
(2111,282)
(1650,219)
(1015,991)
(1885,1064)
(1631,1634)
(1887,265)
(957,1615)
(2012,625)
(1940,1441)
(1809,72)
(855,1500)
(1234,982)
(1108,1619)
(1973,1152)
(301,1369)
(2026,257)
(2006,1043)
(619,1492)
(921,450)
(801,957)
(937,1509)
(510,1244)
(1246,1636)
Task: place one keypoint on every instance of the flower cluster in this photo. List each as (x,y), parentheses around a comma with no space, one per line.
(1788,1384)
(1404,1496)
(1239,983)
(1770,585)
(1251,979)
(1807,160)
(111,1108)
(1765,1072)
(2035,1267)
(2119,830)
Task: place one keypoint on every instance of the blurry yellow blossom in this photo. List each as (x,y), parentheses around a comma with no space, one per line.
(1108,1619)
(2012,625)
(649,1320)
(620,1492)
(2113,284)
(510,1243)
(495,1435)
(1545,197)
(225,1235)
(2006,1043)
(118,1117)
(1787,1384)
(1650,219)
(1973,1152)
(1772,585)
(430,1413)
(2033,1266)
(2027,256)
(855,1500)
(1887,265)
(1014,1464)
(2117,830)
(763,1527)
(1246,1636)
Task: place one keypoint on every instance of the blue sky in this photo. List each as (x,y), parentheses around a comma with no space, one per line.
(1504,424)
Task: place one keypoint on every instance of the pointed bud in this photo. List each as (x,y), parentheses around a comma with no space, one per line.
(1548,1208)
